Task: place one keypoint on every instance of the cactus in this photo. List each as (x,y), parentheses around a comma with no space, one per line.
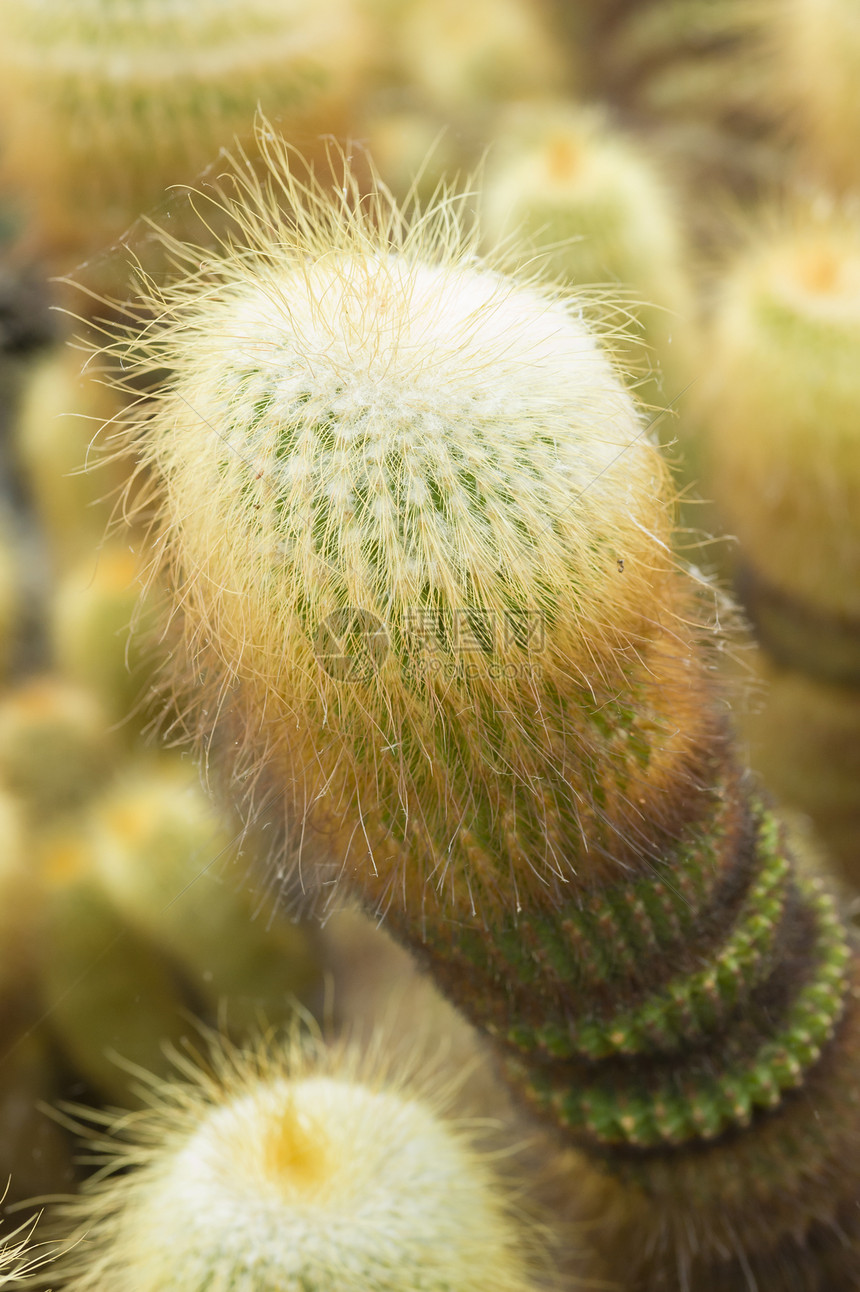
(105,105)
(462,56)
(420,544)
(814,62)
(779,403)
(102,631)
(598,212)
(172,869)
(297,1168)
(54,747)
(60,431)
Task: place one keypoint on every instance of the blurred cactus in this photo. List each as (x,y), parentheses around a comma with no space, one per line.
(780,403)
(781,397)
(424,575)
(104,106)
(172,869)
(11,587)
(60,432)
(814,48)
(54,746)
(460,56)
(103,630)
(288,1169)
(108,997)
(598,213)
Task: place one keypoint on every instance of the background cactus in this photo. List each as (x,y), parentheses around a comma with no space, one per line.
(104,106)
(779,404)
(814,60)
(589,203)
(282,1169)
(378,463)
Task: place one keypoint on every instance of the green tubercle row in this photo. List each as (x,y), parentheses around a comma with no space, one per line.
(689,1006)
(608,935)
(704,1101)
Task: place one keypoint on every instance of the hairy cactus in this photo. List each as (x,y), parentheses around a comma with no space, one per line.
(300,1171)
(420,543)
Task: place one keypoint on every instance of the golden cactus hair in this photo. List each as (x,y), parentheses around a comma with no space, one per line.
(420,546)
(294,1165)
(19,1257)
(104,106)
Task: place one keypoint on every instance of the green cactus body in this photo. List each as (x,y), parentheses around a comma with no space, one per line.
(420,543)
(300,1173)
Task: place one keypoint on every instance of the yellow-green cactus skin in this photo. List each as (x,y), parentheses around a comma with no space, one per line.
(298,1170)
(420,544)
(105,105)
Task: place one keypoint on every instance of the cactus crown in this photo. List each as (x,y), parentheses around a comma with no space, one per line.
(293,1166)
(419,537)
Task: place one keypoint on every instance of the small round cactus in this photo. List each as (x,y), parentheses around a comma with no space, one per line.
(300,1172)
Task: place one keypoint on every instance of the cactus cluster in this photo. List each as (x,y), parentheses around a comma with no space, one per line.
(405,496)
